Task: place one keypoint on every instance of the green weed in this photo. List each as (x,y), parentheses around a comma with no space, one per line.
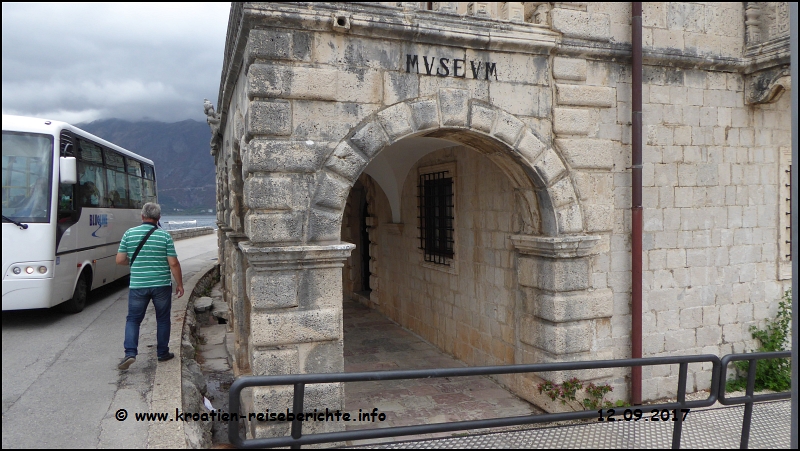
(771,374)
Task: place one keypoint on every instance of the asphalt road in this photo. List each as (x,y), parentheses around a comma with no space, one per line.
(61,386)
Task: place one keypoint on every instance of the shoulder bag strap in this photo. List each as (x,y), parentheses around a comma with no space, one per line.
(141,244)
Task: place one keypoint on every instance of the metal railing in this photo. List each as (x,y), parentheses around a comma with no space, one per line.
(299,381)
(748,399)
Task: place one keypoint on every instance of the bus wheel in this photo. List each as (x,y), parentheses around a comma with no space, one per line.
(78,301)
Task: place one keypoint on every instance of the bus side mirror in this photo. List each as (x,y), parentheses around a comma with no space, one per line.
(68,170)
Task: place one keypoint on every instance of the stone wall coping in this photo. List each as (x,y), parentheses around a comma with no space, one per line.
(294,257)
(555,247)
(190,232)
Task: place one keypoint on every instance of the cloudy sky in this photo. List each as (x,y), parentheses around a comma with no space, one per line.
(82,62)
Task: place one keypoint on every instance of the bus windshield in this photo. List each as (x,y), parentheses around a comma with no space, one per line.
(27,176)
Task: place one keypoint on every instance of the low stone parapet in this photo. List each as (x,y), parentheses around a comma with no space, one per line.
(191,232)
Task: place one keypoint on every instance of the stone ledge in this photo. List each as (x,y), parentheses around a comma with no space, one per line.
(555,247)
(294,257)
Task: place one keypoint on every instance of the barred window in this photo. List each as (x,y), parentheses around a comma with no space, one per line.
(785,214)
(788,214)
(436,216)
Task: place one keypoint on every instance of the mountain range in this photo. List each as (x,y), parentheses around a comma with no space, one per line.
(185,173)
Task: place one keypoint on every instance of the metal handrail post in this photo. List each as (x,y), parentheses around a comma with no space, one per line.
(748,406)
(678,427)
(297,409)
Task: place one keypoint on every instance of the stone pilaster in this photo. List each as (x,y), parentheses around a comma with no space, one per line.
(295,296)
(560,318)
(237,301)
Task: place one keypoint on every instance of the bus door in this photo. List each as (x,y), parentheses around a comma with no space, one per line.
(66,270)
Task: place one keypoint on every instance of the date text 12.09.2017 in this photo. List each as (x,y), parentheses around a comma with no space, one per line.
(638,415)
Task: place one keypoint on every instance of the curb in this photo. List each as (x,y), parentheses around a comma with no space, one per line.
(167,392)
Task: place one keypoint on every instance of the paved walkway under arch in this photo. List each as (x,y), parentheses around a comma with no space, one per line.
(372,342)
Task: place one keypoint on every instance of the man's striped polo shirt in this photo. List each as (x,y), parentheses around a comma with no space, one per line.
(151,268)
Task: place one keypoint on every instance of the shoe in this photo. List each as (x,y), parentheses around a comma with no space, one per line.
(126,362)
(166,357)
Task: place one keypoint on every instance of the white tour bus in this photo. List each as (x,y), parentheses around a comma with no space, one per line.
(68,196)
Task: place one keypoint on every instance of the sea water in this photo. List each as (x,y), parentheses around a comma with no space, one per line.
(175,222)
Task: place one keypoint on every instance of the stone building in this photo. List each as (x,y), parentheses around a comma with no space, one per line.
(477,156)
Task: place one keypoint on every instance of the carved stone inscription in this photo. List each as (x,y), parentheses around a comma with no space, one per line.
(446,67)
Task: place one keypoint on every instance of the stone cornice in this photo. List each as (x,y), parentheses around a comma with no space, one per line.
(555,247)
(775,52)
(583,48)
(276,258)
(428,27)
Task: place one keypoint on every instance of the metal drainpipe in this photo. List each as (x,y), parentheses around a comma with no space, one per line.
(636,204)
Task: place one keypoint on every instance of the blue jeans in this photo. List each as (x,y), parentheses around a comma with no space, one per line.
(138,299)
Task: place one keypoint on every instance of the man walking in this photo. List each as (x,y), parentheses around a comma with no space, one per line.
(151,255)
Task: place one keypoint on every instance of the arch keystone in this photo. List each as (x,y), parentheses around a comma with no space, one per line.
(425,114)
(454,107)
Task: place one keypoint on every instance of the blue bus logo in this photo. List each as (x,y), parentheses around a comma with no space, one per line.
(98,220)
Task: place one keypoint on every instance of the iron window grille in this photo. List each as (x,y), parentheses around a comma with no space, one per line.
(789,215)
(436,217)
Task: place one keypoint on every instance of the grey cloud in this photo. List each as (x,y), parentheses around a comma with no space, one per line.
(78,62)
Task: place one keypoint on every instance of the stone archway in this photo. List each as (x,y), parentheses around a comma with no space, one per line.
(558,311)
(447,114)
(294,255)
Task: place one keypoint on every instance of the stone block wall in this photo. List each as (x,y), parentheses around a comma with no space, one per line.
(467,308)
(711,204)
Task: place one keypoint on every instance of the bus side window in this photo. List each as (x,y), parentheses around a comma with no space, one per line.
(92,186)
(135,185)
(117,189)
(149,190)
(149,174)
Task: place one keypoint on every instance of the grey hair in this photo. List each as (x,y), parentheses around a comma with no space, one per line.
(151,210)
